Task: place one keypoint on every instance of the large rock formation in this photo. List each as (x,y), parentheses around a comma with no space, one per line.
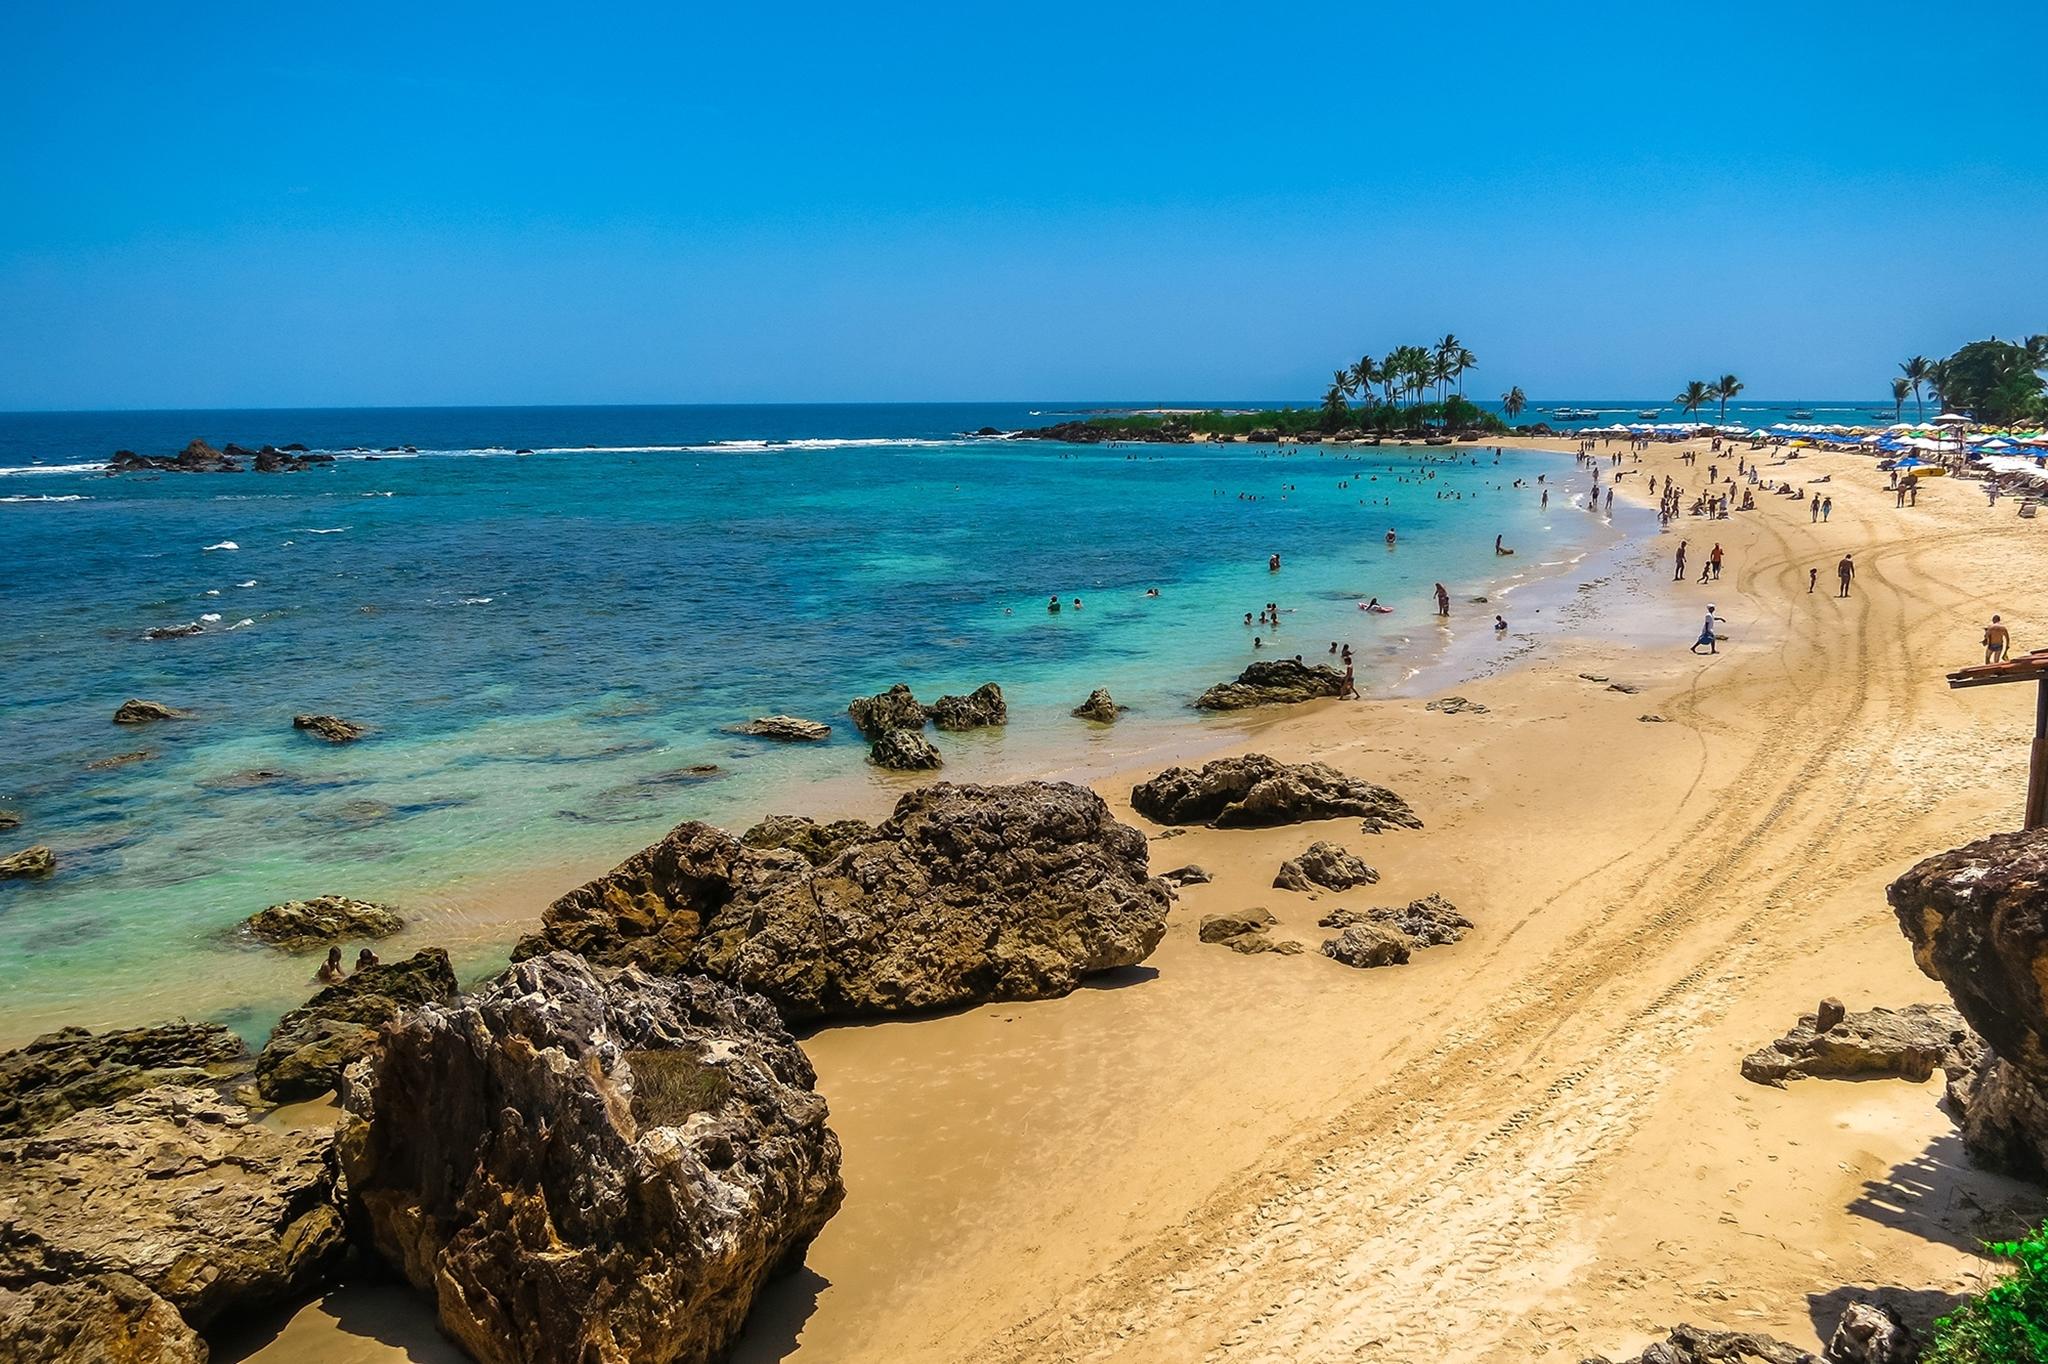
(1254,789)
(1366,944)
(874,716)
(313,1044)
(1100,707)
(1696,1345)
(965,894)
(1977,917)
(1909,1043)
(98,1319)
(179,1188)
(1280,681)
(904,750)
(62,1072)
(301,925)
(1324,866)
(981,707)
(582,1166)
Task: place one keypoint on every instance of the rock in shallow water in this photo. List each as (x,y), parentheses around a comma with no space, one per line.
(179,1188)
(1909,1043)
(982,707)
(1253,790)
(787,728)
(300,925)
(1281,681)
(313,1044)
(332,728)
(133,712)
(1099,707)
(98,1319)
(965,894)
(35,861)
(905,750)
(874,716)
(63,1072)
(580,1165)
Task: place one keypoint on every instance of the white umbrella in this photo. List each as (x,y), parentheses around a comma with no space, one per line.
(1951,419)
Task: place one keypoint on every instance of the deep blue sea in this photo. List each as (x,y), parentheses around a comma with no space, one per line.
(548,648)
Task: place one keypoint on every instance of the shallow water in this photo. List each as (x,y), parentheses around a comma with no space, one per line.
(549,648)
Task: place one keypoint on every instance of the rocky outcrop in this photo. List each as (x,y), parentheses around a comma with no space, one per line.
(1099,707)
(35,861)
(905,750)
(190,627)
(579,1165)
(1431,921)
(786,728)
(200,458)
(178,1188)
(140,755)
(1455,705)
(313,1044)
(1977,917)
(1246,931)
(1280,681)
(10,819)
(71,1070)
(1695,1345)
(1253,790)
(98,1319)
(875,716)
(979,709)
(1872,1333)
(301,925)
(332,728)
(134,712)
(965,894)
(1366,944)
(1324,866)
(1909,1043)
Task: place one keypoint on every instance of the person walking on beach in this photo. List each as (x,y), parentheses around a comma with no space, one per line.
(1443,600)
(1812,580)
(1679,575)
(1827,507)
(1714,561)
(1844,572)
(1997,641)
(1707,635)
(1813,516)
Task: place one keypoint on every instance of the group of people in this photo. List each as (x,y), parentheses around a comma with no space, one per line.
(331,970)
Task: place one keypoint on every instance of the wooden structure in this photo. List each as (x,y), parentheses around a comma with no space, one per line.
(2033,668)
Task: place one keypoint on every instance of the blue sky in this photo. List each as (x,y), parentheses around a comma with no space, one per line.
(272,205)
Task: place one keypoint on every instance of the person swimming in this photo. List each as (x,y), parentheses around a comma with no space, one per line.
(366,958)
(330,971)
(1053,604)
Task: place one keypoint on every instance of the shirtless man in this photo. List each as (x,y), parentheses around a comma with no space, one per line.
(1997,641)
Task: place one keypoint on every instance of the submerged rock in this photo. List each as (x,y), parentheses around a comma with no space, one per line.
(97,1319)
(133,712)
(1367,944)
(579,1166)
(140,755)
(1908,1043)
(787,728)
(1281,681)
(300,925)
(982,707)
(904,750)
(965,894)
(1324,866)
(10,819)
(34,861)
(1099,707)
(875,716)
(190,627)
(311,1046)
(332,728)
(72,1069)
(1253,790)
(1977,917)
(179,1188)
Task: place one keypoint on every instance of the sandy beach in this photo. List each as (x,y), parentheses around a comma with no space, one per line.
(1532,1142)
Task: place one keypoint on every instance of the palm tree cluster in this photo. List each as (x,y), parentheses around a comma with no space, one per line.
(1700,392)
(1405,372)
(2000,377)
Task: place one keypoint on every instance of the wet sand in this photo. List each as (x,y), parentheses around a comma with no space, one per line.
(1534,1141)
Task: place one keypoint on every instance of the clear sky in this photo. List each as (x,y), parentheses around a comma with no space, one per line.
(280,205)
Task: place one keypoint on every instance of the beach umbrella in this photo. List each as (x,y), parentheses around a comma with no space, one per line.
(1951,419)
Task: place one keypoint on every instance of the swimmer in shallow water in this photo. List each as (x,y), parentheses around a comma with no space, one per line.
(330,971)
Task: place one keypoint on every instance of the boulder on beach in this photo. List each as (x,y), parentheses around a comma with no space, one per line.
(1977,917)
(1099,707)
(311,1046)
(1324,866)
(332,728)
(1909,1043)
(1244,930)
(179,1188)
(73,1069)
(135,712)
(1189,875)
(1455,705)
(96,1319)
(578,1164)
(1431,921)
(965,894)
(1253,790)
(982,707)
(1368,944)
(1280,681)
(32,861)
(1687,1344)
(787,728)
(905,750)
(875,716)
(301,925)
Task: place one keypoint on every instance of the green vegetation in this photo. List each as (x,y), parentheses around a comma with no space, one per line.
(1996,382)
(2006,1323)
(670,1086)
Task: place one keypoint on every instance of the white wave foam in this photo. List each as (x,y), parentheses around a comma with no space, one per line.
(46,497)
(246,620)
(225,544)
(213,592)
(334,531)
(14,469)
(250,583)
(474,601)
(210,617)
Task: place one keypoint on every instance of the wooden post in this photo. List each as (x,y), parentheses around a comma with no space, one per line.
(2033,668)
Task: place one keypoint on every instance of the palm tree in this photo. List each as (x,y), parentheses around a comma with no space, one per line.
(1726,389)
(1466,360)
(1441,367)
(1915,371)
(1363,376)
(1696,396)
(1514,401)
(2036,348)
(1900,390)
(1335,409)
(1935,375)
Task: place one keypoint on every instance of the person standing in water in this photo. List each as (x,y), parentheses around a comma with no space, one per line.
(1443,600)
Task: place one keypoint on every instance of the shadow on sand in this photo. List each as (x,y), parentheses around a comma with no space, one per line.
(1917,1307)
(1940,1196)
(397,1322)
(777,1320)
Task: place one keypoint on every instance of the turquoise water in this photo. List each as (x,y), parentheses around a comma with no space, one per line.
(547,646)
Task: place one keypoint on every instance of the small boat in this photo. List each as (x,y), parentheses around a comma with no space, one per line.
(1648,412)
(1802,415)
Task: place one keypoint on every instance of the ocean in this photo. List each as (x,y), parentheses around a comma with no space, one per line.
(548,649)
